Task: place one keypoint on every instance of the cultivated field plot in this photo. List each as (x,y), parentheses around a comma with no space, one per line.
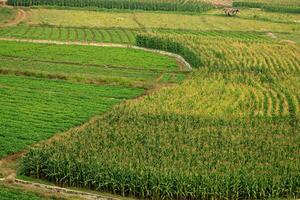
(74,25)
(34,109)
(227,132)
(289,6)
(272,2)
(103,35)
(87,64)
(148,20)
(88,55)
(160,5)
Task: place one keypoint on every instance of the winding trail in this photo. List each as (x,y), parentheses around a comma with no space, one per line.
(184,65)
(20,16)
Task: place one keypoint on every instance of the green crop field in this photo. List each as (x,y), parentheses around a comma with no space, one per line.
(150,20)
(88,64)
(164,5)
(290,6)
(226,132)
(136,123)
(34,109)
(87,55)
(71,34)
(11,194)
(47,99)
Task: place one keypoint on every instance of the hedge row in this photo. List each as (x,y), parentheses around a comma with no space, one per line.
(118,4)
(267,7)
(167,44)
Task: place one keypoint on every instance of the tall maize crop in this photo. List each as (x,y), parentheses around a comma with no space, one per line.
(163,5)
(230,131)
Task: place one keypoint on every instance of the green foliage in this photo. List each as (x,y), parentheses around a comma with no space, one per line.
(174,157)
(227,132)
(268,6)
(88,55)
(34,109)
(121,4)
(45,32)
(75,64)
(169,45)
(11,194)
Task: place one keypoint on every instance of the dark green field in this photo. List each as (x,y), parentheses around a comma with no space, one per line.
(34,109)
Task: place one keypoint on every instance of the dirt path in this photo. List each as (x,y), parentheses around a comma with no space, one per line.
(20,16)
(183,64)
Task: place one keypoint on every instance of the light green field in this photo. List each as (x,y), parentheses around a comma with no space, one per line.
(154,20)
(87,55)
(102,35)
(274,2)
(88,64)
(285,6)
(258,14)
(34,109)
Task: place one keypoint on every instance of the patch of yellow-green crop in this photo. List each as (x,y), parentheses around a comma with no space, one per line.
(149,20)
(227,132)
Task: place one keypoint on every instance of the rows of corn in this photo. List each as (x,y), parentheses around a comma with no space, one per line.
(230,131)
(164,5)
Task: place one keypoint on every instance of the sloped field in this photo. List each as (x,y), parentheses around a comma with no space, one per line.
(229,131)
(34,109)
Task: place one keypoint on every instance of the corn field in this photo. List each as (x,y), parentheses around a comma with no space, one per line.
(164,5)
(230,131)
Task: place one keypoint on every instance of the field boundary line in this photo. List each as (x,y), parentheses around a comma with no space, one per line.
(86,195)
(179,58)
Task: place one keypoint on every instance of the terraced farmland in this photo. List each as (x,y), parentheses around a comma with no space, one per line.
(42,108)
(227,132)
(161,5)
(153,20)
(290,6)
(103,35)
(34,109)
(89,64)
